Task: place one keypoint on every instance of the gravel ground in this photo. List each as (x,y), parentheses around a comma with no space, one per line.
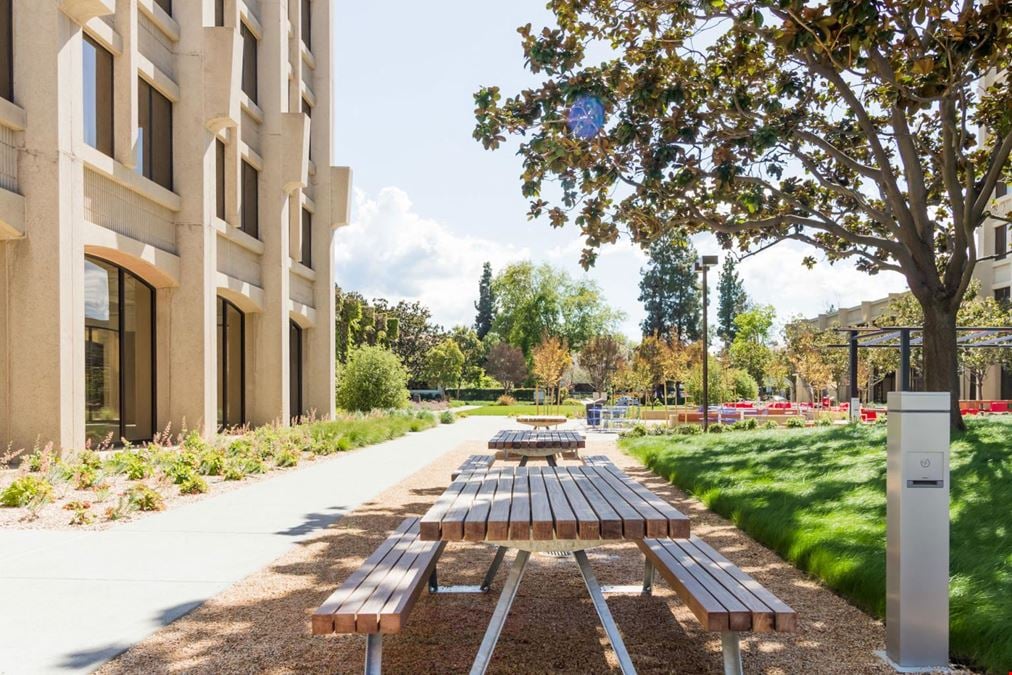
(261,624)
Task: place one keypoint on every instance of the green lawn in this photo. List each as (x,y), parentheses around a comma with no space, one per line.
(529,409)
(817,497)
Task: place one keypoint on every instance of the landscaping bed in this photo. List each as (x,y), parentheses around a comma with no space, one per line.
(817,497)
(94,488)
(494,410)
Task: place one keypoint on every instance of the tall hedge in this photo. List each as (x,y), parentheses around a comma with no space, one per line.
(373,377)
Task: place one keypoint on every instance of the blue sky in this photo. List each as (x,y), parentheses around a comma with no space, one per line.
(431,205)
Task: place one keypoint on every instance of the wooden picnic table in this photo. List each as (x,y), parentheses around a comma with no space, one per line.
(542,421)
(528,443)
(542,509)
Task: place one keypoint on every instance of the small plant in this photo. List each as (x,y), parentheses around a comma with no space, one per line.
(505,399)
(41,460)
(447,417)
(124,506)
(636,431)
(192,485)
(211,462)
(82,512)
(85,476)
(27,491)
(234,469)
(286,457)
(715,429)
(824,422)
(795,422)
(130,463)
(194,442)
(770,424)
(102,492)
(144,498)
(90,458)
(689,430)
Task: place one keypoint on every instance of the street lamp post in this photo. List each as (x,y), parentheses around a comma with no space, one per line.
(704,263)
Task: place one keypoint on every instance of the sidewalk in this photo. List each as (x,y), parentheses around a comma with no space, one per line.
(72,600)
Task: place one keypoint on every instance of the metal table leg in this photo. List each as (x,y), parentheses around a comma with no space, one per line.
(485,585)
(373,654)
(628,589)
(502,609)
(551,460)
(732,653)
(604,614)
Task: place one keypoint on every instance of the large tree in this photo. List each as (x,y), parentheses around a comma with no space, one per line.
(669,292)
(602,357)
(486,303)
(750,350)
(507,364)
(850,125)
(732,301)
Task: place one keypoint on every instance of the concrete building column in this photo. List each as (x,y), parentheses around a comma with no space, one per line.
(191,371)
(270,337)
(44,395)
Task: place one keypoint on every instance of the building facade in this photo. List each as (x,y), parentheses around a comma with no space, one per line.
(167,209)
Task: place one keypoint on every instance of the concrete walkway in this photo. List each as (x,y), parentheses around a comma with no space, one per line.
(69,601)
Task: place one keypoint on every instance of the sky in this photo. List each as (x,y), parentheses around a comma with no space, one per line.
(431,205)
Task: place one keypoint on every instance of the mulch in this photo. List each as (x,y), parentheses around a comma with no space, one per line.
(261,623)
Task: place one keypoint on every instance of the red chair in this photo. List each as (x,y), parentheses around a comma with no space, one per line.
(1000,407)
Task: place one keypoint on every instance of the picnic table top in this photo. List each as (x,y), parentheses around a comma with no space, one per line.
(560,507)
(526,439)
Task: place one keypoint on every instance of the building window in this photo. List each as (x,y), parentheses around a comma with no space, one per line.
(307,24)
(119,349)
(166,5)
(7,49)
(1004,296)
(249,62)
(1000,241)
(231,365)
(308,110)
(1006,383)
(154,139)
(1001,189)
(219,12)
(219,178)
(98,96)
(294,369)
(307,238)
(250,200)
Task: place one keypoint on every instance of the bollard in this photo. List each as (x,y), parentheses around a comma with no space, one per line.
(917,539)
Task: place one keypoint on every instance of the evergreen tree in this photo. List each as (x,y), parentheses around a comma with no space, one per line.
(732,301)
(669,292)
(485,304)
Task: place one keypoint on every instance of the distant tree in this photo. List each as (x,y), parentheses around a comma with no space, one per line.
(750,350)
(635,377)
(602,357)
(372,378)
(668,291)
(347,316)
(551,358)
(507,364)
(444,364)
(416,334)
(653,351)
(473,350)
(485,304)
(732,301)
(807,349)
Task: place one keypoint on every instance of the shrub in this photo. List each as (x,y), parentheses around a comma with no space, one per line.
(742,385)
(134,465)
(286,457)
(506,399)
(770,424)
(572,401)
(447,417)
(715,429)
(211,462)
(824,421)
(234,469)
(689,429)
(373,377)
(636,431)
(144,498)
(90,458)
(27,491)
(192,485)
(194,442)
(82,512)
(85,476)
(795,422)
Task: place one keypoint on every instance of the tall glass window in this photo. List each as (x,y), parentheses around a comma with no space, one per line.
(308,109)
(307,23)
(7,49)
(219,178)
(1001,240)
(166,5)
(119,349)
(219,12)
(295,369)
(307,238)
(98,96)
(231,365)
(154,139)
(249,62)
(250,216)
(1006,383)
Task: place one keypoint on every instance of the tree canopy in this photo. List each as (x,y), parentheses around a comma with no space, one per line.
(485,306)
(669,292)
(851,126)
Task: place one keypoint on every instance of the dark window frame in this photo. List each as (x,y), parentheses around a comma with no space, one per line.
(7,49)
(122,273)
(223,358)
(306,252)
(250,52)
(1001,241)
(250,215)
(148,97)
(105,130)
(219,178)
(166,5)
(306,31)
(295,379)
(219,12)
(307,109)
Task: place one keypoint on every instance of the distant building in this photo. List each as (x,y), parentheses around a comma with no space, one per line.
(167,207)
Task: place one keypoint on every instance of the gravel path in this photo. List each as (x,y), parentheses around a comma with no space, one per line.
(261,624)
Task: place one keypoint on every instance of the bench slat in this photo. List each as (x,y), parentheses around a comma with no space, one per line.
(323,618)
(786,618)
(707,610)
(656,523)
(738,615)
(345,617)
(395,612)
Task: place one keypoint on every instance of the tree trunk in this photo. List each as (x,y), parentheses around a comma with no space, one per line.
(941,355)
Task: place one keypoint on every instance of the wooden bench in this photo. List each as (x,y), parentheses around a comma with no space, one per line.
(598,460)
(378,597)
(720,595)
(473,463)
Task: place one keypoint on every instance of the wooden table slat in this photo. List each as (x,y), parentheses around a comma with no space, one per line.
(611,523)
(452,525)
(633,523)
(656,524)
(520,508)
(430,524)
(562,512)
(474,523)
(588,523)
(678,522)
(542,523)
(497,526)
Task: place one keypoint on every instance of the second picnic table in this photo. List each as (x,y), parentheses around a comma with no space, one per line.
(545,444)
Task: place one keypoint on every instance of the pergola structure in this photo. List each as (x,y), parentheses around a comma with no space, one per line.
(905,338)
